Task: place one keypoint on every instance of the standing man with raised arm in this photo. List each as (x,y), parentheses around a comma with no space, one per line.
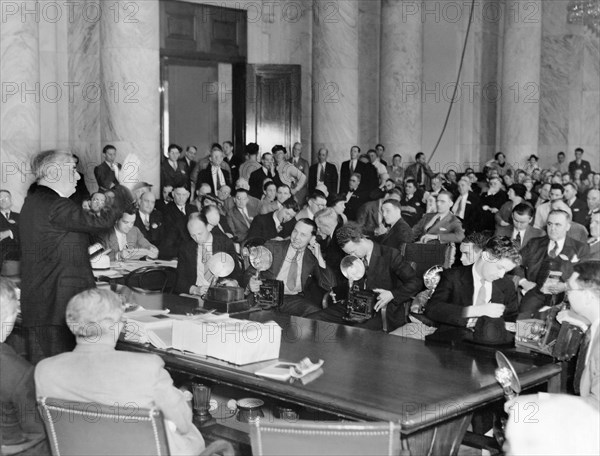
(55,263)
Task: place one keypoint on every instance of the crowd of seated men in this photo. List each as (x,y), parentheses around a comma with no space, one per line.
(274,198)
(243,197)
(512,226)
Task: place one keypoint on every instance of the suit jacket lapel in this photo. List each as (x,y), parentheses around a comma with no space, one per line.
(373,270)
(569,248)
(307,266)
(497,293)
(527,236)
(467,287)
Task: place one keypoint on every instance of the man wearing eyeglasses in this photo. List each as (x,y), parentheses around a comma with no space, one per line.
(316,202)
(583,291)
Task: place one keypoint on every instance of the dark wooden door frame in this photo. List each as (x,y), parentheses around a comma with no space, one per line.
(254,74)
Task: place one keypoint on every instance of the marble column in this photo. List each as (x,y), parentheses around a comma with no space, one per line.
(335,89)
(84,74)
(520,88)
(401,76)
(130,79)
(20,106)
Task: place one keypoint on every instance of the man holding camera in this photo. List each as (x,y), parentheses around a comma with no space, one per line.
(549,432)
(547,262)
(296,262)
(392,279)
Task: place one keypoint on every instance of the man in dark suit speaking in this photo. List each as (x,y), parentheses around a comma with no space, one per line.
(55,263)
(466,293)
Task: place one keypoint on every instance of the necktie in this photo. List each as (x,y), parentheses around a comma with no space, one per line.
(518,238)
(6,215)
(146,220)
(321,173)
(217,178)
(182,209)
(481,294)
(246,218)
(554,252)
(292,277)
(363,285)
(419,174)
(580,366)
(352,167)
(207,254)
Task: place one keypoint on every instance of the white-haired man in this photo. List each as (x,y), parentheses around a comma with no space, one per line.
(55,263)
(95,372)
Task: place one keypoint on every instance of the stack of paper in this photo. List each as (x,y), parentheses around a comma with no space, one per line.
(156,326)
(140,322)
(235,341)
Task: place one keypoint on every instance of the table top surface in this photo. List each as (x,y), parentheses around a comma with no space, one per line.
(367,375)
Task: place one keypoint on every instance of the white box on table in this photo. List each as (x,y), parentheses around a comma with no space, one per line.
(236,341)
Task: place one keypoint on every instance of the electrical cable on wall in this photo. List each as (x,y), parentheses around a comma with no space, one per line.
(453,99)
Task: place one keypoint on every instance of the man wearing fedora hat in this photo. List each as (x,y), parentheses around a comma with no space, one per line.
(466,293)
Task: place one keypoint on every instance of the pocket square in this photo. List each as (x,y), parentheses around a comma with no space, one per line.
(443,229)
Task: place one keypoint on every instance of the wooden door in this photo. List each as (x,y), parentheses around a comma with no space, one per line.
(273,105)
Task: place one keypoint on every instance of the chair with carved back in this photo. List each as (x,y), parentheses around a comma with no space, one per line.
(90,429)
(313,438)
(423,256)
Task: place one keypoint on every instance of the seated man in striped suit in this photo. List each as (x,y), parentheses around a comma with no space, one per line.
(442,226)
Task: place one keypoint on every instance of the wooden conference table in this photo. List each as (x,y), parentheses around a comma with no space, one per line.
(430,389)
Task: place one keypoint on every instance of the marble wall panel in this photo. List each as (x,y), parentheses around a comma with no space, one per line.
(591,64)
(554,18)
(369,33)
(590,135)
(401,79)
(132,25)
(20,106)
(130,102)
(335,75)
(521,80)
(84,74)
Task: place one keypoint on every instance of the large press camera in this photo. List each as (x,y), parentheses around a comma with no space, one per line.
(270,294)
(360,303)
(548,336)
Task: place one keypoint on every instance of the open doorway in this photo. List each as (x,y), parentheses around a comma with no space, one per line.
(198,107)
